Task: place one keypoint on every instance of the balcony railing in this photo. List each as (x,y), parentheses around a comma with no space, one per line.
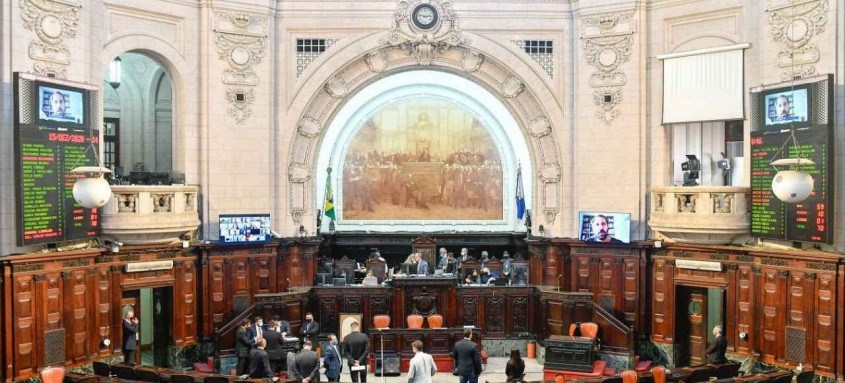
(700,214)
(150,214)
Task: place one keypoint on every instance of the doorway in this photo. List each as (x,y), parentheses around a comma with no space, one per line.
(154,309)
(697,311)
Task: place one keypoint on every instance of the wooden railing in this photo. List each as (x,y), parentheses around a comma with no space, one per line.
(615,328)
(227,328)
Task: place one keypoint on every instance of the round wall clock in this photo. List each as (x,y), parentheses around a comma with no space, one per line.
(424,16)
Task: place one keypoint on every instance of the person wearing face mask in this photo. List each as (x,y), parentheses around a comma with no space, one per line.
(310,329)
(256,331)
(243,344)
(331,361)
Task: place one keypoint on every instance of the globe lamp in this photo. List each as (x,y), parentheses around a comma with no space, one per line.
(93,191)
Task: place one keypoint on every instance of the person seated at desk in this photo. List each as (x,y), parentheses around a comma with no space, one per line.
(412,258)
(422,265)
(472,278)
(487,278)
(370,279)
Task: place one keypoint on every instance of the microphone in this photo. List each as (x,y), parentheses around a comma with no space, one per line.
(290,288)
(558,282)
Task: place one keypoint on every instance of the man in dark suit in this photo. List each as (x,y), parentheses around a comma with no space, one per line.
(356,347)
(467,359)
(716,351)
(274,346)
(282,326)
(259,361)
(243,344)
(331,360)
(130,337)
(310,329)
(422,265)
(307,365)
(256,331)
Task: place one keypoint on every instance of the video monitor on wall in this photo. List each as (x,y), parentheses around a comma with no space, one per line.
(244,229)
(790,106)
(60,106)
(600,227)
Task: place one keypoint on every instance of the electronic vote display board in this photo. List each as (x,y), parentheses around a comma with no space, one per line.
(47,147)
(808,221)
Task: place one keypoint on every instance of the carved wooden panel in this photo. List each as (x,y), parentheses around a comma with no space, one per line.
(658,303)
(263,276)
(606,280)
(470,311)
(240,277)
(631,290)
(77,323)
(582,274)
(379,305)
(520,315)
(796,301)
(239,304)
(795,344)
(218,293)
(825,354)
(24,325)
(52,298)
(554,315)
(352,305)
(495,315)
(774,317)
(745,308)
(104,303)
(328,315)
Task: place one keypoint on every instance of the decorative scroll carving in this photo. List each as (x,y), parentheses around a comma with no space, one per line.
(794,25)
(336,87)
(472,60)
(376,61)
(495,314)
(379,305)
(608,41)
(240,39)
(520,320)
(540,127)
(512,87)
(470,305)
(328,315)
(424,46)
(353,305)
(53,21)
(821,266)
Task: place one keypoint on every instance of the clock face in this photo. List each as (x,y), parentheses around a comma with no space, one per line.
(424,16)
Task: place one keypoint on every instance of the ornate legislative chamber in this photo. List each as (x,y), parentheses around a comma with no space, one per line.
(780,308)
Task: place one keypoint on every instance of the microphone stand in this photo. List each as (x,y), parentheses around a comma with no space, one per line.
(558,282)
(381,332)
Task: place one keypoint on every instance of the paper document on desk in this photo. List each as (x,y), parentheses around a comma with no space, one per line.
(291,339)
(357,368)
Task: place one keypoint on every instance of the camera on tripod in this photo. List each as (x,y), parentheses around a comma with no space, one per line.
(692,170)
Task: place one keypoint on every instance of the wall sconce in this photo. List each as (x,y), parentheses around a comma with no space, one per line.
(115,69)
(743,335)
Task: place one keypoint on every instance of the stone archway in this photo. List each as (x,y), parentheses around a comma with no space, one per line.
(483,61)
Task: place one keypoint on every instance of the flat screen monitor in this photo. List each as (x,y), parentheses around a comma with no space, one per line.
(601,227)
(61,106)
(409,268)
(324,279)
(786,106)
(244,229)
(340,281)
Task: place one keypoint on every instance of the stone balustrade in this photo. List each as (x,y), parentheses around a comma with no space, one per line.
(139,214)
(700,214)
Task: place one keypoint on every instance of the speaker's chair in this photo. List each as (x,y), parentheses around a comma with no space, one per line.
(415,321)
(435,321)
(381,321)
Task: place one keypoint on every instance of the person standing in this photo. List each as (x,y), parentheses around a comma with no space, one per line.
(716,351)
(273,345)
(515,368)
(467,359)
(259,361)
(356,346)
(130,337)
(256,332)
(307,365)
(422,366)
(310,329)
(243,344)
(331,360)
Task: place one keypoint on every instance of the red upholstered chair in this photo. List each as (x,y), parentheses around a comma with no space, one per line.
(629,376)
(642,365)
(559,379)
(208,366)
(415,321)
(381,321)
(659,374)
(435,321)
(53,375)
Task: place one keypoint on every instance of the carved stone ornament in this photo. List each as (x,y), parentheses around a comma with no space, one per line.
(336,87)
(608,41)
(52,21)
(240,39)
(550,214)
(512,87)
(424,45)
(296,215)
(550,173)
(376,61)
(472,60)
(298,174)
(309,127)
(240,102)
(540,127)
(794,24)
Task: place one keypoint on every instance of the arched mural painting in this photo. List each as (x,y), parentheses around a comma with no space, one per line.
(422,158)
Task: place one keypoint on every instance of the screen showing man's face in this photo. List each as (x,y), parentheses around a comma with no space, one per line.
(782,106)
(57,103)
(599,227)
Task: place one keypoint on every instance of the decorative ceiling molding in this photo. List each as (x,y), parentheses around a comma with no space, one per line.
(240,39)
(794,25)
(608,41)
(53,21)
(424,44)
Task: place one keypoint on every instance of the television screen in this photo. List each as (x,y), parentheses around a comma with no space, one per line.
(786,107)
(604,227)
(61,106)
(244,229)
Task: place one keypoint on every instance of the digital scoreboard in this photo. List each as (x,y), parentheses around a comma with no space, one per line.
(808,221)
(48,144)
(46,206)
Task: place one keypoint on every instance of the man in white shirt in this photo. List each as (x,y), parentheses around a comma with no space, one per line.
(422,366)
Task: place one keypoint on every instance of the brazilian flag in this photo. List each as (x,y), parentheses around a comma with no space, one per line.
(328,204)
